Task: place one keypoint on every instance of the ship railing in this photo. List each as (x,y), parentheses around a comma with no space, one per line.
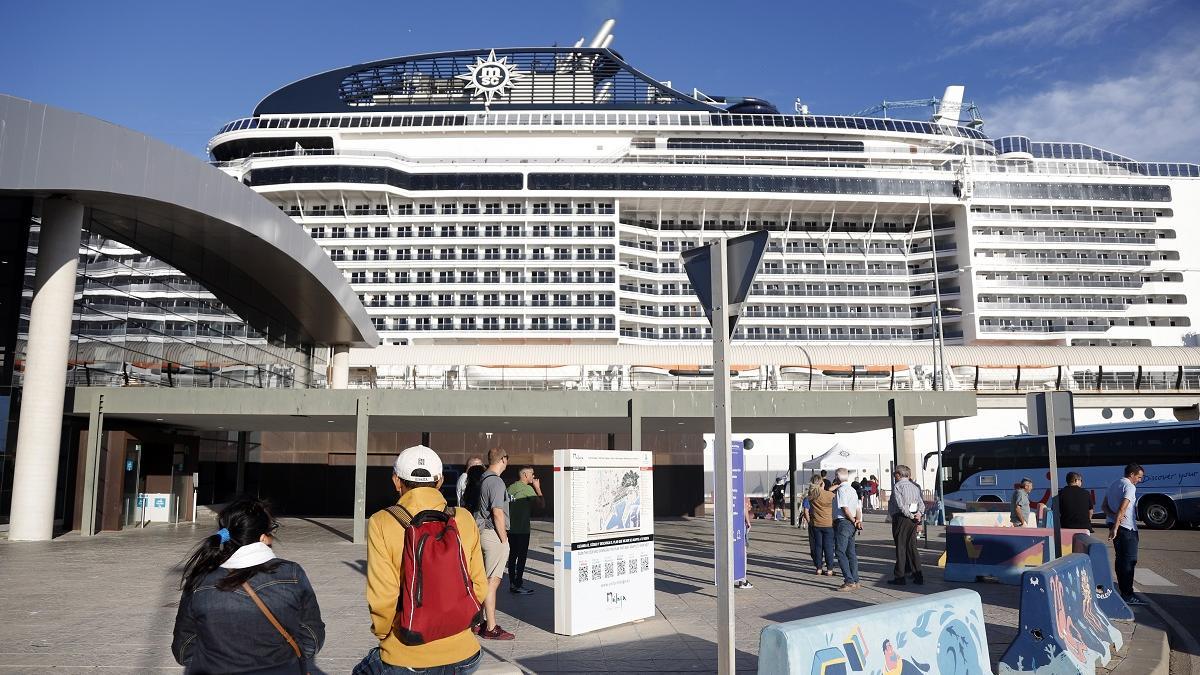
(897,377)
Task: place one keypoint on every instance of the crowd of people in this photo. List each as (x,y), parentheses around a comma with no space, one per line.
(433,570)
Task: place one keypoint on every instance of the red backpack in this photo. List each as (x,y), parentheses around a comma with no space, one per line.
(437,598)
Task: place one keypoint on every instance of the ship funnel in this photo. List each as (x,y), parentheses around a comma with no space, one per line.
(608,41)
(951,105)
(603,33)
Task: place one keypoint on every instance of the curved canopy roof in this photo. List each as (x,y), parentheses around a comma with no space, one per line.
(514,79)
(170,205)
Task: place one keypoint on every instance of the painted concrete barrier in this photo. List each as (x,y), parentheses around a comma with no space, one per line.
(1106,596)
(989,519)
(1062,629)
(1003,553)
(939,633)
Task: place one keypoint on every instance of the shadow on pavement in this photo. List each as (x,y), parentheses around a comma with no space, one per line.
(326,527)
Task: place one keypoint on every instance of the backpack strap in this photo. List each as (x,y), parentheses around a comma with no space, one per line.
(401,515)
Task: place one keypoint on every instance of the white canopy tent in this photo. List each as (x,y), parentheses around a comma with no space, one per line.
(839,456)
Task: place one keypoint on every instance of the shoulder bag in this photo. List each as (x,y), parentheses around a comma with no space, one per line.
(262,607)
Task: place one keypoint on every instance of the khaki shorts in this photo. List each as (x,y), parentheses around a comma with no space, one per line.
(495,553)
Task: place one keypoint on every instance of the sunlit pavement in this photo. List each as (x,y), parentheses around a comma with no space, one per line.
(110,601)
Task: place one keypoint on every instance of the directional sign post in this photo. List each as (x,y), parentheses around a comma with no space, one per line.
(721,274)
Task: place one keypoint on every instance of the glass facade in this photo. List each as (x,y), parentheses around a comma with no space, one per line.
(139,322)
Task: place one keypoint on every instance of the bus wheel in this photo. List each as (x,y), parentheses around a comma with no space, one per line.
(1158,513)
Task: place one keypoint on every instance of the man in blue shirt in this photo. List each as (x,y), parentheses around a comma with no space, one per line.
(1119,512)
(847,521)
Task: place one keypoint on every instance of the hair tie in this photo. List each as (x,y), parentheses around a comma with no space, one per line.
(223,534)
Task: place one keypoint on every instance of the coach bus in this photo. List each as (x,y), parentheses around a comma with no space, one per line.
(985,470)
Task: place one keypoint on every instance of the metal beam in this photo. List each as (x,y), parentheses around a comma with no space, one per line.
(91,467)
(361,430)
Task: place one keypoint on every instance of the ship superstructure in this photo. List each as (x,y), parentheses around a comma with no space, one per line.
(544,195)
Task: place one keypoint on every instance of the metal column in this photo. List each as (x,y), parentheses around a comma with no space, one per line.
(91,467)
(240,480)
(899,451)
(792,476)
(361,429)
(722,449)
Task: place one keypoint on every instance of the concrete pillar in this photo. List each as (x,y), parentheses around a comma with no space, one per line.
(904,448)
(340,367)
(40,432)
(361,435)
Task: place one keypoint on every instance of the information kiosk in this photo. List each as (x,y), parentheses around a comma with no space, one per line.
(603,539)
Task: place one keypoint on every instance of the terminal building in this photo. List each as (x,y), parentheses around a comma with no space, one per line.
(508,222)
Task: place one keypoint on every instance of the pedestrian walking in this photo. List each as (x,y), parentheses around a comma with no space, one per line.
(1020,502)
(419,552)
(1073,506)
(905,509)
(847,521)
(873,492)
(820,534)
(492,516)
(1120,503)
(242,608)
(525,493)
(777,497)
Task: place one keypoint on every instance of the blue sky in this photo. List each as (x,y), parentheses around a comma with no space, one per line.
(1121,74)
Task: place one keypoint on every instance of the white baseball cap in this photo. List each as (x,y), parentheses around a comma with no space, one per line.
(418,464)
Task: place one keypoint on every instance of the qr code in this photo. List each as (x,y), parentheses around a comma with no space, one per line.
(583,573)
(645,563)
(595,571)
(620,567)
(608,569)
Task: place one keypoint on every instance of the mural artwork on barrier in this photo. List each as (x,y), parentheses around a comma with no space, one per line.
(1062,630)
(1107,597)
(941,633)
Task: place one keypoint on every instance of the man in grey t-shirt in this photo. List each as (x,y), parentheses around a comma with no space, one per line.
(1020,502)
(492,518)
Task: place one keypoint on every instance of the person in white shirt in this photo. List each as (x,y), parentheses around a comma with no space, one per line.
(847,521)
(461,486)
(1120,504)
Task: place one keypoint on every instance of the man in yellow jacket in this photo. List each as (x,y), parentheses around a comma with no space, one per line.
(417,475)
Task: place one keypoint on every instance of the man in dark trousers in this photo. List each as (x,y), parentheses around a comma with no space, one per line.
(1073,507)
(906,507)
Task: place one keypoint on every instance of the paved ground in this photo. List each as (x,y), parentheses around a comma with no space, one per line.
(1168,575)
(76,604)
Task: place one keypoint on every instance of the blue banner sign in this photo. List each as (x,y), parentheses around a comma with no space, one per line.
(737,467)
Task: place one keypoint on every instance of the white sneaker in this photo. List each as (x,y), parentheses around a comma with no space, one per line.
(743,584)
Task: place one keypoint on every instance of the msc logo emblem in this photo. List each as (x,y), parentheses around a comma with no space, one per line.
(491,78)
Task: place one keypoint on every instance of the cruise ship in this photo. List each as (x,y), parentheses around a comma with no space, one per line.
(544,195)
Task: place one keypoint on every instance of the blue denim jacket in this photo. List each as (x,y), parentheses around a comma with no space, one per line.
(224,632)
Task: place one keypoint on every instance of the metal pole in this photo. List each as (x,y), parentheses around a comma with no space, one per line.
(941,357)
(1050,444)
(792,476)
(240,475)
(361,431)
(722,449)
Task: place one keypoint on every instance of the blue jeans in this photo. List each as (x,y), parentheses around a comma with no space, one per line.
(821,541)
(372,664)
(847,559)
(1125,546)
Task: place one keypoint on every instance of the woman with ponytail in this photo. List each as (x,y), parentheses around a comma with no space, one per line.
(244,610)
